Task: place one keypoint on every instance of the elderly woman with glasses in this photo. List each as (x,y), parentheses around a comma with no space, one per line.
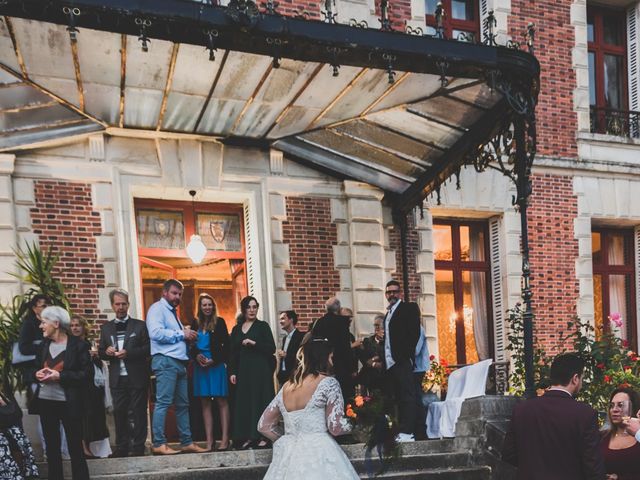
(64,373)
(620,450)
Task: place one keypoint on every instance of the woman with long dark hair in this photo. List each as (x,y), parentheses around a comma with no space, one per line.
(621,451)
(251,368)
(311,406)
(211,353)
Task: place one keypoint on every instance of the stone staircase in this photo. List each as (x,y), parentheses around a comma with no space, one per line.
(431,459)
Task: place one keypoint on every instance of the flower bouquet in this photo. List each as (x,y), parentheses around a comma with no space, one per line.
(435,379)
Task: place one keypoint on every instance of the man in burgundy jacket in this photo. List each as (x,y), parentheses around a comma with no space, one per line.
(554,437)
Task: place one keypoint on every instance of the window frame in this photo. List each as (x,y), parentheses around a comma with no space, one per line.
(457,266)
(450,24)
(599,48)
(605,270)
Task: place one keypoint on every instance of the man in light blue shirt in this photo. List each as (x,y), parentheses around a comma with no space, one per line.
(169,364)
(422,366)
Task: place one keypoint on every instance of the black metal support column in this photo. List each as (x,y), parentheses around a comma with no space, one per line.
(401,220)
(523,185)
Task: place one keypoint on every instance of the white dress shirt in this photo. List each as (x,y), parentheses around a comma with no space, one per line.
(387,335)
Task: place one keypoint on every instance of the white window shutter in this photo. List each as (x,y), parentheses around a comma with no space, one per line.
(636,248)
(497,294)
(251,254)
(633,62)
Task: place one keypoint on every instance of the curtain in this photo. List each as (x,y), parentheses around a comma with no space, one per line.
(479,296)
(617,287)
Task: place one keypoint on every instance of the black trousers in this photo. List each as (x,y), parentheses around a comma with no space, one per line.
(51,414)
(401,386)
(131,431)
(421,411)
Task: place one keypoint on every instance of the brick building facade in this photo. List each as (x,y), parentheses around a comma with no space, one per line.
(310,236)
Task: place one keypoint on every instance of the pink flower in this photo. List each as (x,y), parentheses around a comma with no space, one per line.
(601,366)
(432,357)
(616,319)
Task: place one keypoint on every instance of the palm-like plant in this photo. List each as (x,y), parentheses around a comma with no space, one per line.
(10,321)
(37,268)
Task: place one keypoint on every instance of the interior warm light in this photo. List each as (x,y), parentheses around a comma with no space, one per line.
(196,249)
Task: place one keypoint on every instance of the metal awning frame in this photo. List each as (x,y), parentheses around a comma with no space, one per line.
(503,139)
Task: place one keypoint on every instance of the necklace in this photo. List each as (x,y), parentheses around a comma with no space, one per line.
(623,434)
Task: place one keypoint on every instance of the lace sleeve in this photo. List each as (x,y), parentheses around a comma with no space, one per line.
(270,423)
(337,423)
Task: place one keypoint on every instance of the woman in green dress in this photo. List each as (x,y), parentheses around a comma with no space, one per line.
(251,367)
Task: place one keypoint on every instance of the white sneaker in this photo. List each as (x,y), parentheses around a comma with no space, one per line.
(405,438)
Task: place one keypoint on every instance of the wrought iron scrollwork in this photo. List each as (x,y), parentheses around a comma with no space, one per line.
(276,44)
(335,51)
(530,37)
(385,23)
(72,13)
(212,35)
(328,15)
(413,30)
(488,29)
(391,75)
(443,66)
(143,23)
(359,24)
(244,12)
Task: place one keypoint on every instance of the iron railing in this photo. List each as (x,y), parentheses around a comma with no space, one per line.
(621,123)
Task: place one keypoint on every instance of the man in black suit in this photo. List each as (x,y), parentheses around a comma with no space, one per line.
(335,328)
(402,331)
(124,343)
(554,437)
(290,345)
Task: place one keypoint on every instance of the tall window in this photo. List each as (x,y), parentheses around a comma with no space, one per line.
(461,19)
(613,282)
(462,291)
(606,34)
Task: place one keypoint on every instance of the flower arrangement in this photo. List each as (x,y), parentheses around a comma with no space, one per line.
(435,379)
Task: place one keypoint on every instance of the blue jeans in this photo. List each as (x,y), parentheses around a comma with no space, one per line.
(171,388)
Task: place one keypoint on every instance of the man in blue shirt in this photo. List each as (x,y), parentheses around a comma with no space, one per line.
(422,366)
(169,364)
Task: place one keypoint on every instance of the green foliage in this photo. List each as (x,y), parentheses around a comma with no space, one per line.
(10,321)
(37,268)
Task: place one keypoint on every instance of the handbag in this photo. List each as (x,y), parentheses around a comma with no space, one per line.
(10,412)
(99,378)
(17,357)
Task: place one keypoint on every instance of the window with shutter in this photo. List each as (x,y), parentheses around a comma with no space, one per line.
(496,290)
(251,252)
(633,62)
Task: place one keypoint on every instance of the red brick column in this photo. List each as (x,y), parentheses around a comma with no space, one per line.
(64,219)
(312,277)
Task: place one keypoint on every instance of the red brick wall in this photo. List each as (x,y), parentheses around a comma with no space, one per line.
(64,220)
(413,248)
(557,122)
(312,277)
(553,252)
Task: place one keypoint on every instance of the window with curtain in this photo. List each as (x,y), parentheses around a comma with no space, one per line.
(463,300)
(461,19)
(613,282)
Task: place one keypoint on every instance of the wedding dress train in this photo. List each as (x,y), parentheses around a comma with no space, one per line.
(306,449)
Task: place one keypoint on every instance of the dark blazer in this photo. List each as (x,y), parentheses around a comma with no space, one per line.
(404,329)
(554,437)
(218,343)
(290,359)
(335,328)
(75,376)
(29,343)
(136,343)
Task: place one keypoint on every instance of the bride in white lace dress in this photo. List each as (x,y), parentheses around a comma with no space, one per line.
(312,409)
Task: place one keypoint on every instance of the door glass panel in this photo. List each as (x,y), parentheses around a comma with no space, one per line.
(613,81)
(430,6)
(596,247)
(616,254)
(462,9)
(591,37)
(619,295)
(442,242)
(474,313)
(472,243)
(592,79)
(446,312)
(612,30)
(220,231)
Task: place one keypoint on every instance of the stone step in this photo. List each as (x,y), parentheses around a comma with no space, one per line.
(433,457)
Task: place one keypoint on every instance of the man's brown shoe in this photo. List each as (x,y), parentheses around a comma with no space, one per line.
(193,448)
(163,450)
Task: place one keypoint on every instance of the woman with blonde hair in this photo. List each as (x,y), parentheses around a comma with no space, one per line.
(312,409)
(211,354)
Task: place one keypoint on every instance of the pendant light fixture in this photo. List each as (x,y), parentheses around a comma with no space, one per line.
(196,250)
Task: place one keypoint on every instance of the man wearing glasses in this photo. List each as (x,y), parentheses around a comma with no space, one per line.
(402,331)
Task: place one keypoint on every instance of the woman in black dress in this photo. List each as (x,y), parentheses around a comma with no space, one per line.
(251,368)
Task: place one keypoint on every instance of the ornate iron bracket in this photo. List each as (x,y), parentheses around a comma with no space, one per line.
(277,44)
(385,23)
(143,23)
(413,30)
(327,13)
(211,36)
(72,12)
(270,7)
(359,24)
(443,66)
(244,12)
(391,75)
(440,14)
(488,29)
(530,37)
(335,51)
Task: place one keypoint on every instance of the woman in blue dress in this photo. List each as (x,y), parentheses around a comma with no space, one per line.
(211,353)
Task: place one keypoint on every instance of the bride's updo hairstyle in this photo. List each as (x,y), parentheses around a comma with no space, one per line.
(313,359)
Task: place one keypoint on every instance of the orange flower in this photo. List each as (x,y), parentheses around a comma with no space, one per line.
(351,413)
(359,401)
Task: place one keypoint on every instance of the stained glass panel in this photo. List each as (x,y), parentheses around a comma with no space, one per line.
(220,231)
(160,229)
